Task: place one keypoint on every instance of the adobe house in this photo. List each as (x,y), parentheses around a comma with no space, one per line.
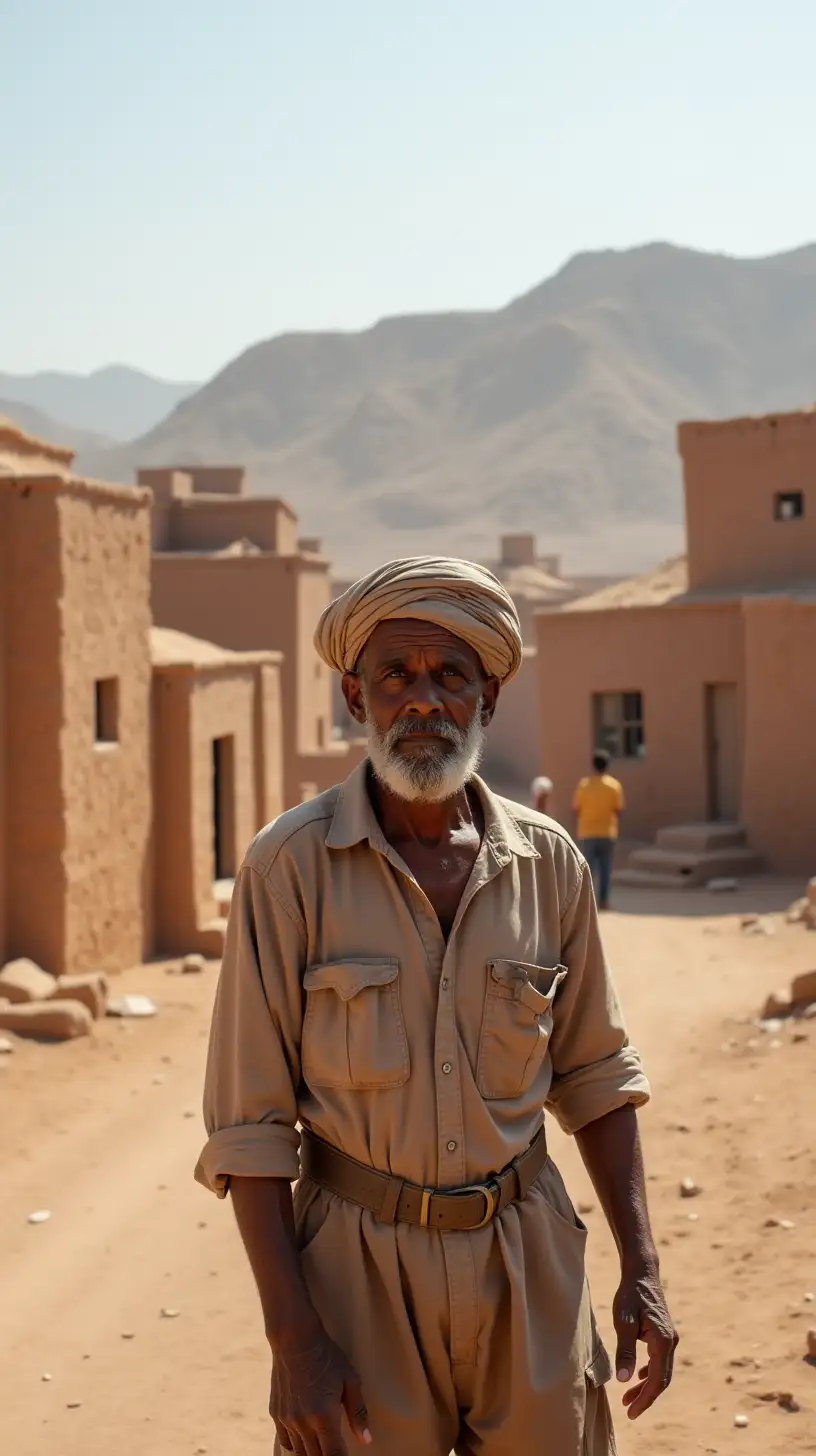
(135,765)
(216,779)
(229,567)
(698,677)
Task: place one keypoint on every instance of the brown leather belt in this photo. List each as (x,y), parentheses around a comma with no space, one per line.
(392,1200)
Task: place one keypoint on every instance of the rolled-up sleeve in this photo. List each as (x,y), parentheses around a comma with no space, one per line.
(595,1070)
(253,1064)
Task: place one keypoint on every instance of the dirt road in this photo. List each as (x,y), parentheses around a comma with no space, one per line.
(105,1134)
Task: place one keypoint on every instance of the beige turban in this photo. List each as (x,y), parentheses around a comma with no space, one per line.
(465,598)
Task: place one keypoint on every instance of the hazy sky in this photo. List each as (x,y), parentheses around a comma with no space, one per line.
(180,178)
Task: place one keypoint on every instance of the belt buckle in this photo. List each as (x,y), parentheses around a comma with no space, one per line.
(490,1192)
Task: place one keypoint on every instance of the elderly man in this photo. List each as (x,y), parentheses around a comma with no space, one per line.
(413,973)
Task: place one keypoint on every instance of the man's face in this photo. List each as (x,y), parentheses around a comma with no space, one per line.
(425,701)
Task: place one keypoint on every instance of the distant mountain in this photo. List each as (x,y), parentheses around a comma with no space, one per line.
(35,422)
(117,401)
(554,414)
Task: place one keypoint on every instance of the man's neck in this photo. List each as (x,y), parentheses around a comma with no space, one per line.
(403,821)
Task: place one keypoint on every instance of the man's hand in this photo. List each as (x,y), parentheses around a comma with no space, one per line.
(640,1313)
(311,1386)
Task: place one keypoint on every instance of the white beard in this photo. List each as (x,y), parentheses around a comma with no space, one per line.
(433,773)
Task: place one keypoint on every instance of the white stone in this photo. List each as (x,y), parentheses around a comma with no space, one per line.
(40,1215)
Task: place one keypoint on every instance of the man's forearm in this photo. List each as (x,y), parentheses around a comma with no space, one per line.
(610,1148)
(265,1217)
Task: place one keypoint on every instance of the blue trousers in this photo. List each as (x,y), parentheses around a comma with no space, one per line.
(599,854)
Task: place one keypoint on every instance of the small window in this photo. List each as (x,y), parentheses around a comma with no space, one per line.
(618,724)
(107,710)
(789,505)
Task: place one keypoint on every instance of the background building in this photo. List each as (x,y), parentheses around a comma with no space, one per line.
(698,677)
(135,764)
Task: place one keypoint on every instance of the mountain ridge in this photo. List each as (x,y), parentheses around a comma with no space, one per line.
(555,413)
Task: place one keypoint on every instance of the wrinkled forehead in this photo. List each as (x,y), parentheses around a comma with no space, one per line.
(409,640)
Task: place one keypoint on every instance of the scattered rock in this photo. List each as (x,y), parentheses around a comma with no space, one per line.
(189,1113)
(800,1036)
(740,1421)
(810,1011)
(809,1298)
(772,1026)
(689,1189)
(777,1004)
(158,1080)
(170,1313)
(73,1404)
(721,885)
(757,925)
(193,965)
(134,1005)
(22,981)
(128,1335)
(40,1215)
(91,990)
(811,1344)
(774,1221)
(46,1377)
(803,988)
(586,1208)
(6,1046)
(796,912)
(51,1020)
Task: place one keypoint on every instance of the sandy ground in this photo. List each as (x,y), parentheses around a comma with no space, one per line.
(105,1134)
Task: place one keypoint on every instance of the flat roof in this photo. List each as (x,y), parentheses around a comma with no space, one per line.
(652,589)
(169,648)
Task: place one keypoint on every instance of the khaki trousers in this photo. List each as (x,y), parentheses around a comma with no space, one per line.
(480,1343)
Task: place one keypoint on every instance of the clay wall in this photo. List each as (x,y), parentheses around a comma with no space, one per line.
(779,799)
(204,523)
(5,547)
(511,758)
(733,473)
(77,811)
(36,884)
(258,603)
(191,708)
(666,653)
(105,605)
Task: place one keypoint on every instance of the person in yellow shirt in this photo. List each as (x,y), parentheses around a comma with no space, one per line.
(598,803)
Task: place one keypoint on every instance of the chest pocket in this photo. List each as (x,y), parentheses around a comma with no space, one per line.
(516,1026)
(353,1030)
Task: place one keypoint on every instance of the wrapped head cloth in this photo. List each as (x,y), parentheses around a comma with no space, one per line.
(461,596)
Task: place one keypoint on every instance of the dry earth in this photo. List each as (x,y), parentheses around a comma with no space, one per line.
(105,1133)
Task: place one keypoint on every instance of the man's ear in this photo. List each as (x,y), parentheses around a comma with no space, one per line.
(352,686)
(490,697)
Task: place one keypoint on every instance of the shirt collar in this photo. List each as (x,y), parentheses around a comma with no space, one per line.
(354,820)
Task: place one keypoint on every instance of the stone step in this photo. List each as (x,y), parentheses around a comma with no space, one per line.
(687,870)
(647,880)
(698,838)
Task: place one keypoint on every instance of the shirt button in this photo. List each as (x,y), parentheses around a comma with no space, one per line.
(451,1147)
(444,983)
(446,1067)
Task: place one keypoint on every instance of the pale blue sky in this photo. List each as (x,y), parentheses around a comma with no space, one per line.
(180,178)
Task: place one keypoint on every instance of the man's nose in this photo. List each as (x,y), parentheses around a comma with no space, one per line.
(425,699)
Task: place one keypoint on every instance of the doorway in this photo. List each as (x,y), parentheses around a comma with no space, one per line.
(223,807)
(722,752)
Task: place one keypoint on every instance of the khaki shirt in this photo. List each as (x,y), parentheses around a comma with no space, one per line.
(340,1005)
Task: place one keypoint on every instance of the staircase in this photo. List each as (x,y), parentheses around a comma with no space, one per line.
(685,856)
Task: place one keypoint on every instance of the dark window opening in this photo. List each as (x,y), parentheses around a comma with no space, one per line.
(106,691)
(618,724)
(789,505)
(223,804)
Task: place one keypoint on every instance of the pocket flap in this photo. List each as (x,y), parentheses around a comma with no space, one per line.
(523,982)
(599,1369)
(346,978)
